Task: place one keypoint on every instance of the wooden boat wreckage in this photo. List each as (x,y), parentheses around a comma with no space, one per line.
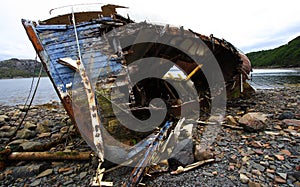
(88,56)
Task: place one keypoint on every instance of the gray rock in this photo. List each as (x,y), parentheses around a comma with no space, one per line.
(283,175)
(69,172)
(30,126)
(297,184)
(3,119)
(64,129)
(244,179)
(68,182)
(7,131)
(182,158)
(29,146)
(253,184)
(202,154)
(271,176)
(231,121)
(296,175)
(37,182)
(82,175)
(207,174)
(27,171)
(25,134)
(17,142)
(292,122)
(45,173)
(273,167)
(42,128)
(253,122)
(259,167)
(286,115)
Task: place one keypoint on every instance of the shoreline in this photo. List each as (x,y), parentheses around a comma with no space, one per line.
(268,67)
(258,68)
(265,158)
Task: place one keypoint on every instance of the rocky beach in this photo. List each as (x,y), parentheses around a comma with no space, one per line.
(245,153)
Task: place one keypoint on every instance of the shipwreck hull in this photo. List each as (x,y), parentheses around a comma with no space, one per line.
(89,40)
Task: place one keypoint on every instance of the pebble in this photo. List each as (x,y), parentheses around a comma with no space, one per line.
(286,115)
(283,175)
(25,134)
(207,174)
(297,184)
(253,184)
(271,176)
(244,179)
(253,121)
(36,182)
(29,145)
(202,154)
(280,180)
(45,173)
(280,157)
(68,182)
(258,167)
(82,175)
(231,121)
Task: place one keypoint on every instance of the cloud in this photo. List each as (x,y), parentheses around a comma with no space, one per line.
(274,39)
(249,25)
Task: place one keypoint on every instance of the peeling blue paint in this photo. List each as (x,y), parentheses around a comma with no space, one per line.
(59,42)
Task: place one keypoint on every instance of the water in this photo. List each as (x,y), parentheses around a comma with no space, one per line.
(15,91)
(274,78)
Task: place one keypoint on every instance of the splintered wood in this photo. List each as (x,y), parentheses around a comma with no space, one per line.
(189,167)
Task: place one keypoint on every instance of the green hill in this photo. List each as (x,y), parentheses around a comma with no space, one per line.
(284,56)
(15,68)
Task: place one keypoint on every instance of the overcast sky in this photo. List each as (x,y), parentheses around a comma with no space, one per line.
(250,25)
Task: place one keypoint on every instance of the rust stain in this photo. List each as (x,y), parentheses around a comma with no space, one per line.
(34,39)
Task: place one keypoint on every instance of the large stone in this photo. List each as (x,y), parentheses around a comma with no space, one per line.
(184,157)
(45,173)
(292,122)
(244,179)
(17,142)
(30,126)
(37,182)
(297,184)
(3,119)
(253,184)
(42,128)
(202,154)
(296,174)
(29,146)
(231,121)
(28,170)
(25,134)
(253,122)
(286,115)
(7,131)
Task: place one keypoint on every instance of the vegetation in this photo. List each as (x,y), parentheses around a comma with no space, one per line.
(284,56)
(15,68)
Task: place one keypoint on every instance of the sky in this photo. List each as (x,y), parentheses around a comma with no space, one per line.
(250,25)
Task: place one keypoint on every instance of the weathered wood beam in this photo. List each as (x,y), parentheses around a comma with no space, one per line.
(32,156)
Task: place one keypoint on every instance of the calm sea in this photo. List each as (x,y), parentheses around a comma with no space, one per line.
(274,78)
(15,91)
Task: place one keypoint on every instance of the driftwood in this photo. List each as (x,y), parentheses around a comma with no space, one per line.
(30,156)
(189,167)
(233,127)
(97,180)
